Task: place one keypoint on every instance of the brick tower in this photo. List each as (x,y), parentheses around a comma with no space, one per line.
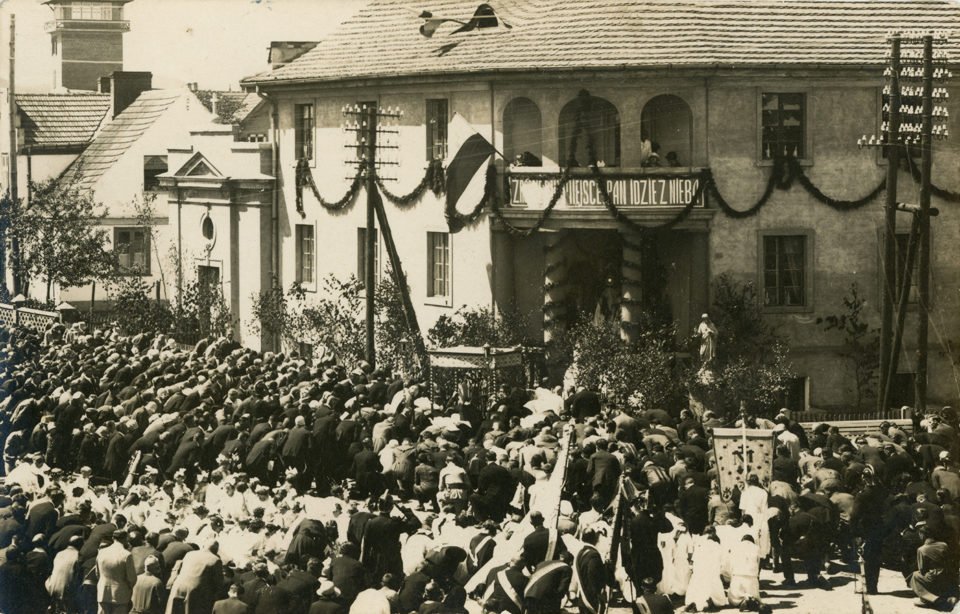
(86,38)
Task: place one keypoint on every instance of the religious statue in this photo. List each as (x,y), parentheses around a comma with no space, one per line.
(708,339)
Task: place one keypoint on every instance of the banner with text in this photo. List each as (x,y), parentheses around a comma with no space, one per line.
(625,191)
(738,457)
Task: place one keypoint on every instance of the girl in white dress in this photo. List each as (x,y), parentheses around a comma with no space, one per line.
(705,588)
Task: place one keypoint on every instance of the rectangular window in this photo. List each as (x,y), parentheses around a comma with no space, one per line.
(784,271)
(438,265)
(303,131)
(132,247)
(436,128)
(362,255)
(903,242)
(783,125)
(306,254)
(153,166)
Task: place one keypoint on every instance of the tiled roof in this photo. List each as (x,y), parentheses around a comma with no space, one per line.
(119,134)
(232,107)
(61,120)
(383,38)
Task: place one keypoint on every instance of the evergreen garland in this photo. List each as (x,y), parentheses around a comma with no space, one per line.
(947,195)
(433,179)
(305,177)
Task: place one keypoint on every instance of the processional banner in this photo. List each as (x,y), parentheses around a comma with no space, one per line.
(740,453)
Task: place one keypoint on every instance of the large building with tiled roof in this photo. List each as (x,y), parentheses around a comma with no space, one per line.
(694,108)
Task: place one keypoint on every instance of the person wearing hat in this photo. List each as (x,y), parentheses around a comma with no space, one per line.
(945,476)
(380,545)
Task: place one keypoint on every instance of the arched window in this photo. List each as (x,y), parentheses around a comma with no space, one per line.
(666,123)
(602,120)
(522,138)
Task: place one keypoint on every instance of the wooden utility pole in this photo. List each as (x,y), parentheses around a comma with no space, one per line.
(369,136)
(926,161)
(890,221)
(14,175)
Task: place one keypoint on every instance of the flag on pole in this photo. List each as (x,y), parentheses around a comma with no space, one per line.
(465,181)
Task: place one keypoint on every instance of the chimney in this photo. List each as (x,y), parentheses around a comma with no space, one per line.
(214,99)
(192,86)
(104,85)
(125,87)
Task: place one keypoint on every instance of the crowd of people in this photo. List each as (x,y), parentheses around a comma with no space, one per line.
(141,477)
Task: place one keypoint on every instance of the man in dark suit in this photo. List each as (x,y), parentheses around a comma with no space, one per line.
(542,544)
(505,587)
(297,448)
(583,404)
(547,587)
(301,584)
(495,488)
(347,572)
(232,604)
(693,507)
(604,471)
(644,529)
(381,540)
(591,573)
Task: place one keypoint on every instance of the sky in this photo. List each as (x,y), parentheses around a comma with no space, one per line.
(214,43)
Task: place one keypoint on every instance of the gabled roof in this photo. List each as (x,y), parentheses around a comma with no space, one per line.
(383,39)
(118,135)
(61,121)
(232,107)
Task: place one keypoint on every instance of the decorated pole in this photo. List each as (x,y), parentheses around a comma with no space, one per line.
(926,161)
(890,220)
(369,270)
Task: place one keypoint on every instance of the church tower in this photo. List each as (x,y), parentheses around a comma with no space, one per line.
(86,38)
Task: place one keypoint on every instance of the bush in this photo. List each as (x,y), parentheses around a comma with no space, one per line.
(134,312)
(477,326)
(751,364)
(641,375)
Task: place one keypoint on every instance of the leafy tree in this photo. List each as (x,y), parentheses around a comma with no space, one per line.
(751,363)
(861,344)
(133,310)
(60,236)
(641,375)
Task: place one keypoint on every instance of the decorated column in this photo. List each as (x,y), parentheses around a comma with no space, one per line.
(631,286)
(554,288)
